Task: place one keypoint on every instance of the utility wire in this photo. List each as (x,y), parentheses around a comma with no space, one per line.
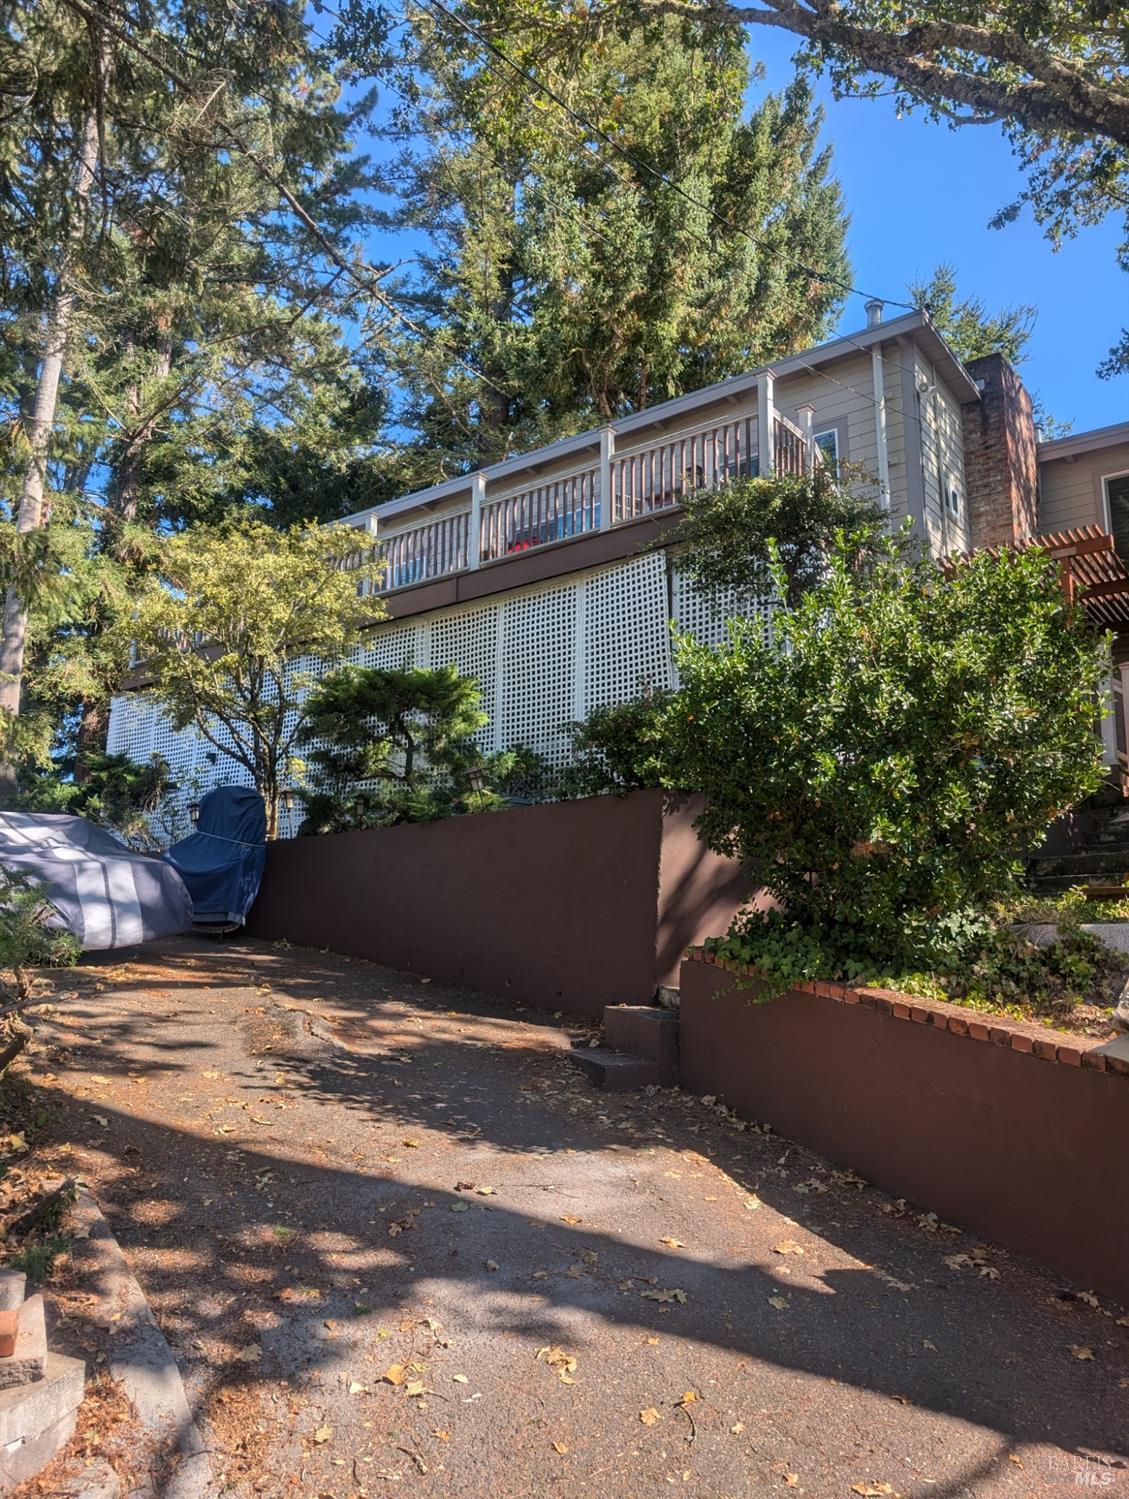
(637,162)
(589,125)
(363,275)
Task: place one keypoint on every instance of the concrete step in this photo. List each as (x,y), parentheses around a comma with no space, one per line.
(646,1031)
(616,1071)
(37,1419)
(29,1356)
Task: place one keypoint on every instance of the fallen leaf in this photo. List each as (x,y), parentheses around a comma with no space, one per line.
(1089,1298)
(250,1355)
(1079,1351)
(356,1388)
(491,1264)
(673,1243)
(737,1428)
(781,1303)
(485,1191)
(568,1218)
(459,1378)
(650,1416)
(459,1207)
(560,1447)
(1013,1457)
(688,1398)
(443,1436)
(410,1144)
(323,1434)
(415,1388)
(298,1294)
(674,1294)
(101,1119)
(787,1246)
(791,1479)
(564,1363)
(394,1374)
(871,1490)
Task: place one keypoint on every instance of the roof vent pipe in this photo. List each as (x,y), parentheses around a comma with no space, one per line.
(874,312)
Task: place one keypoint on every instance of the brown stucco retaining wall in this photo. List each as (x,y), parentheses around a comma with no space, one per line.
(1028,1147)
(560,905)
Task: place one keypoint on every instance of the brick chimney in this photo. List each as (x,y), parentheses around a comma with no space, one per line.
(999,456)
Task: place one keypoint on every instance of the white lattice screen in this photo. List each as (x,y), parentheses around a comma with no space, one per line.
(542,657)
(467,639)
(540,692)
(706,616)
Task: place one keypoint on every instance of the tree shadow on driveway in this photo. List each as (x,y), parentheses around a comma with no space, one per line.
(320,1201)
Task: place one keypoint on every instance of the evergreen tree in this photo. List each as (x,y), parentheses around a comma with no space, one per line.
(562,284)
(173,291)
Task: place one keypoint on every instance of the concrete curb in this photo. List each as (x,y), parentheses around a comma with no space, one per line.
(141,1360)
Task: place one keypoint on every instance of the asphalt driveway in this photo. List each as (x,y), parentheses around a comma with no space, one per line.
(399,1244)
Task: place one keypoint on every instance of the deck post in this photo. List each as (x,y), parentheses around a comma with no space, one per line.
(766,423)
(805,416)
(607,453)
(474,532)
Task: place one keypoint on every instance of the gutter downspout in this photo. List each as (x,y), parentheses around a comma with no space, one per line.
(879,377)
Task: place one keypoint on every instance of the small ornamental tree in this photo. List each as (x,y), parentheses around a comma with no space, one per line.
(618,747)
(881,764)
(234,630)
(390,746)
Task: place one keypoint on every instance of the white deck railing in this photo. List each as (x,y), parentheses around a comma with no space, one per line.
(639,481)
(535,517)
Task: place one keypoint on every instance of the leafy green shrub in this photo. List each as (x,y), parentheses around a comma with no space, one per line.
(618,748)
(27,944)
(880,766)
(396,746)
(770,537)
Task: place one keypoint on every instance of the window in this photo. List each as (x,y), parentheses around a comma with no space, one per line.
(828,444)
(952,496)
(1117,508)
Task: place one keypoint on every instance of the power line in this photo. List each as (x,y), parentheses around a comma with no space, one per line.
(637,162)
(367,281)
(589,125)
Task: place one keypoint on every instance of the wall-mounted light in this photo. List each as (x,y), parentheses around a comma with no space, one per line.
(194,813)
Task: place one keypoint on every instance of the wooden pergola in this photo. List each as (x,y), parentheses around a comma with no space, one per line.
(1093,573)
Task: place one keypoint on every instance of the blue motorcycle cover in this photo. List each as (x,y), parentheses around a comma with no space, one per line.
(222,862)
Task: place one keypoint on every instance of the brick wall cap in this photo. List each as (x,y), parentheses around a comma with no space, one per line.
(1037,1041)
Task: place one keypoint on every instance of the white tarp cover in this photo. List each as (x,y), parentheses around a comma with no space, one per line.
(105,893)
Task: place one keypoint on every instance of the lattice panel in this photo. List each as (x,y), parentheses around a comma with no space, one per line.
(626,641)
(468,640)
(707,616)
(131,726)
(539,696)
(391,647)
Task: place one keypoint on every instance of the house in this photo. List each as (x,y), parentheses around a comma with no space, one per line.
(544,576)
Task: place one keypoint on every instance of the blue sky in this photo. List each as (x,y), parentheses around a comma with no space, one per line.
(920,193)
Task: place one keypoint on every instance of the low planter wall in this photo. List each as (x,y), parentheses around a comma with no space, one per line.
(573,905)
(1016,1132)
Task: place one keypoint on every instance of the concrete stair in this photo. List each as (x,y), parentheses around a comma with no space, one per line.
(640,1049)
